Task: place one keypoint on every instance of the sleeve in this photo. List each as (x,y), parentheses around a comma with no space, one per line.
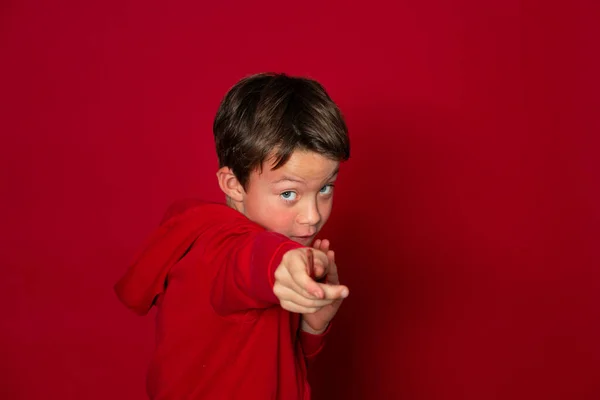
(313,344)
(246,264)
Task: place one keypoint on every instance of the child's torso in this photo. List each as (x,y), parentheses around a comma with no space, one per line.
(202,355)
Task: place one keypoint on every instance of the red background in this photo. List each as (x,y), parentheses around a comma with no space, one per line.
(466,223)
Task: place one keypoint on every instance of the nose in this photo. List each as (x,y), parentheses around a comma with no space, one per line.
(310,214)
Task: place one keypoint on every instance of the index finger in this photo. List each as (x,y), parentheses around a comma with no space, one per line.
(302,276)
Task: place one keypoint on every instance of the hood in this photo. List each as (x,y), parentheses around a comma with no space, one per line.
(145,280)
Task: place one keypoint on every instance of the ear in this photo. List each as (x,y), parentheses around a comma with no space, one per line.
(230,185)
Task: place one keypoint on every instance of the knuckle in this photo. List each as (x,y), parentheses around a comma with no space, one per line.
(286,305)
(301,281)
(279,274)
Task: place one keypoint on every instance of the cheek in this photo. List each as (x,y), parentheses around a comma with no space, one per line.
(325,211)
(281,216)
(273,214)
(257,209)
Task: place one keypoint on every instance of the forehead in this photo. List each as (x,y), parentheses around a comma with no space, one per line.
(303,166)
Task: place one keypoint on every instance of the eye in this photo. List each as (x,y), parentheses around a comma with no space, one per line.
(289,195)
(327,189)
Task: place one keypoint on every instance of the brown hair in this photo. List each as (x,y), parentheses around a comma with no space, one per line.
(272,115)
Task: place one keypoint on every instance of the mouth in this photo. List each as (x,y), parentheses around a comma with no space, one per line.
(304,240)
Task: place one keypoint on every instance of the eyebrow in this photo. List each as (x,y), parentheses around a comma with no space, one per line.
(334,173)
(288,179)
(291,179)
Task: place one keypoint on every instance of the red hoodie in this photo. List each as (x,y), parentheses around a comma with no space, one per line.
(221,333)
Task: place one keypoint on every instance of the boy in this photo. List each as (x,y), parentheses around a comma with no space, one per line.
(242,299)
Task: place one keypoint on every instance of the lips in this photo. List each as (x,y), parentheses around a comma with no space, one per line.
(305,240)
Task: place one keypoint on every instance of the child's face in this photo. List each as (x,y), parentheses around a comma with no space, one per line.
(295,199)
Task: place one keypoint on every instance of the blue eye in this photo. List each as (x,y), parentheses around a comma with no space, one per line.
(327,189)
(289,195)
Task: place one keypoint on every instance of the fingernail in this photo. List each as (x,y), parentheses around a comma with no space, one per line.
(316,294)
(345,293)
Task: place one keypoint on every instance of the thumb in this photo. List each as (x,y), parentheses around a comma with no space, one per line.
(334,292)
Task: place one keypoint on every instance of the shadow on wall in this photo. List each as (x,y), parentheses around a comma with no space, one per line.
(389,230)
